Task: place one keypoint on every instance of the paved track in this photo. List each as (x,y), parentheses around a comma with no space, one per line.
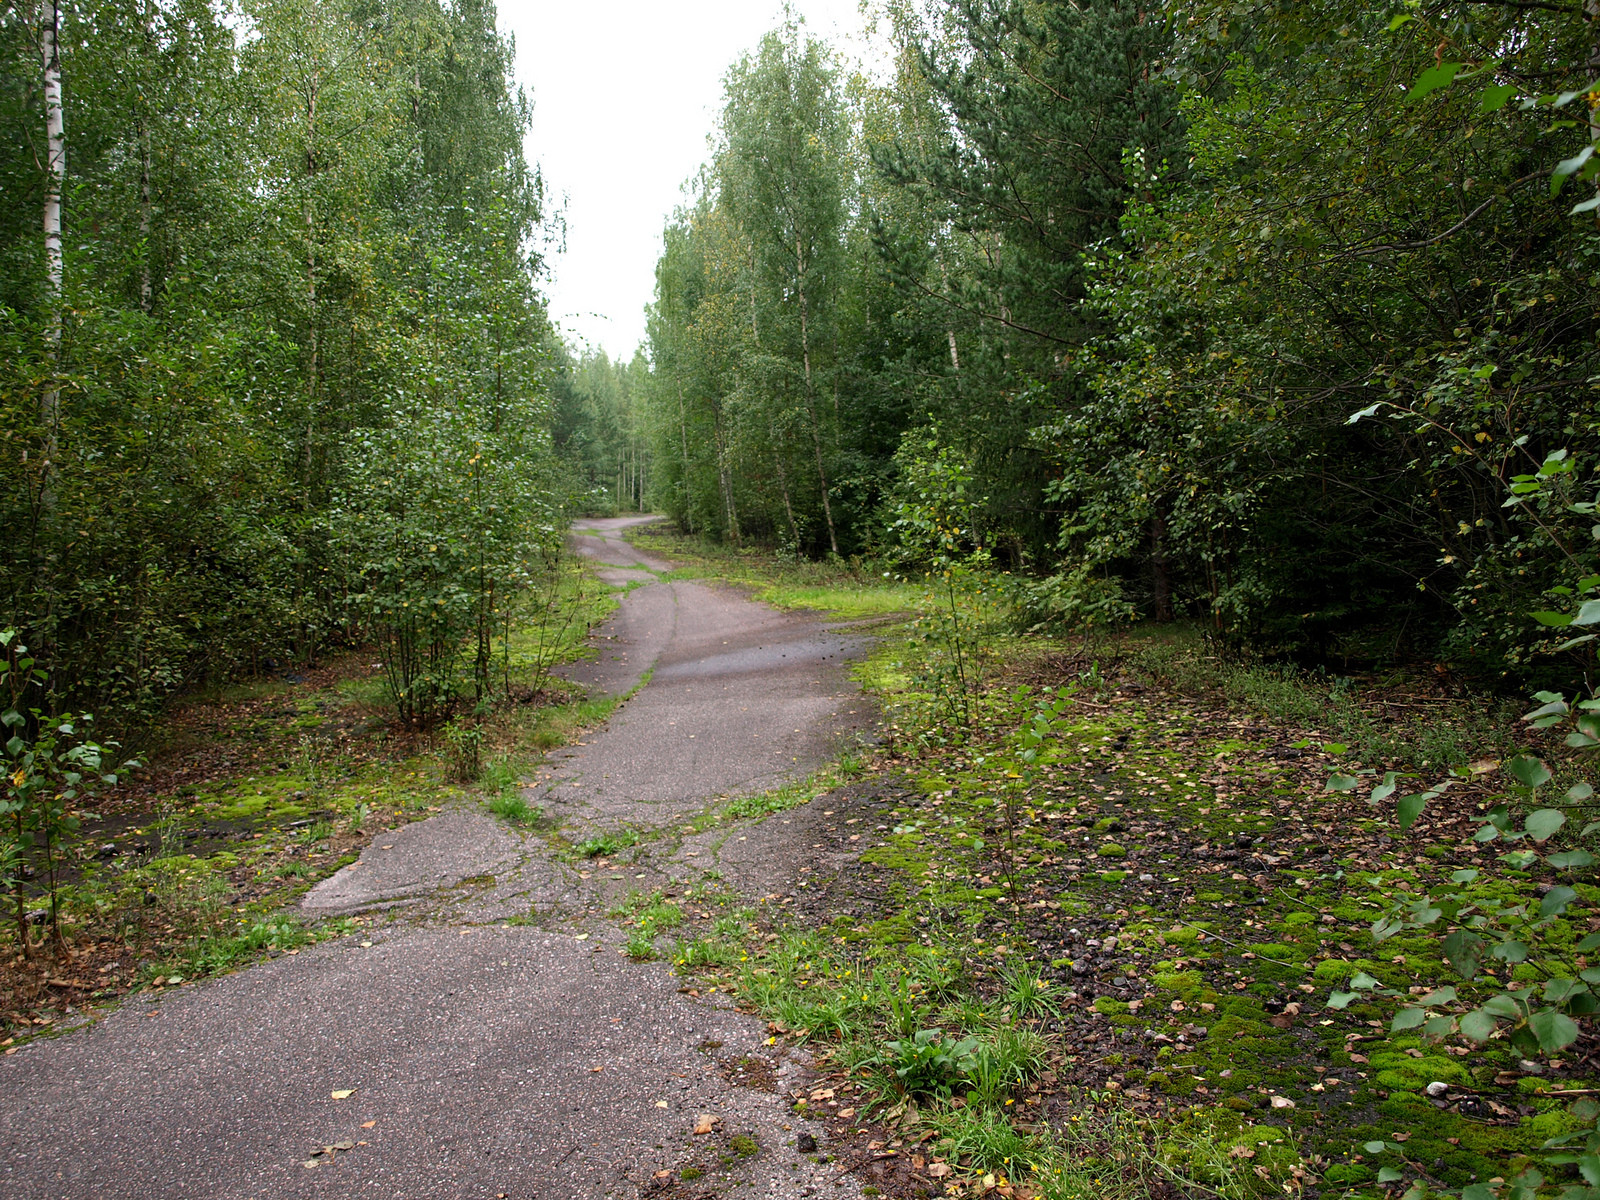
(490,1058)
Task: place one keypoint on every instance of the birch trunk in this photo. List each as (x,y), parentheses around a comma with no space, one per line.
(54,271)
(811,403)
(683,431)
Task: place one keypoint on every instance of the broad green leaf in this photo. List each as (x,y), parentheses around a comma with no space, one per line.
(1444,995)
(1555,1030)
(1554,619)
(1409,809)
(1407,1018)
(1342,783)
(1385,789)
(1495,96)
(1569,166)
(1528,770)
(1511,950)
(1464,950)
(1568,859)
(1374,1147)
(1556,900)
(1478,1025)
(1542,823)
(1588,613)
(1390,1175)
(1363,980)
(1432,80)
(1342,999)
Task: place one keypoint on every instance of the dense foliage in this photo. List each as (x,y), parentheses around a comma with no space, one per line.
(289,391)
(1140,268)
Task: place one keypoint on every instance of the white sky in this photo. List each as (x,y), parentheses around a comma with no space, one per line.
(625,93)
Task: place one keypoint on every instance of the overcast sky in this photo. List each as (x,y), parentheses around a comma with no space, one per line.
(624,94)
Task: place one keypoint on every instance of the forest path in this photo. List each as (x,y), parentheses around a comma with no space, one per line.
(456,1048)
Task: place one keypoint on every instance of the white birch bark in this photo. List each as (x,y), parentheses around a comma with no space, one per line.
(55,183)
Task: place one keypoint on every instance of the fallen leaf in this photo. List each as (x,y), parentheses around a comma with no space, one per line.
(344,1093)
(1282,1102)
(344,1146)
(661,1103)
(595,1070)
(940,1170)
(704,1123)
(368,1124)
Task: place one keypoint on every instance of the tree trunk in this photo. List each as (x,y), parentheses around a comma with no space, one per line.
(811,404)
(311,283)
(1158,565)
(54,269)
(683,430)
(783,485)
(146,292)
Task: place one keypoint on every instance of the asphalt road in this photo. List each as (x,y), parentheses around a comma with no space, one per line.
(482,1057)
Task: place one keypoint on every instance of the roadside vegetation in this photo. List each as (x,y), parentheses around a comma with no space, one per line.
(249,795)
(1142,917)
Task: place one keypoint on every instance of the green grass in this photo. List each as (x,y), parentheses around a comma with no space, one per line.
(604,845)
(849,590)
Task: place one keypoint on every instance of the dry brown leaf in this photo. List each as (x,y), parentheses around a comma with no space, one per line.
(704,1123)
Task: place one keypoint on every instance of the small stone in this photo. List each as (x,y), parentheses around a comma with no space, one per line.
(806,1144)
(1437,1089)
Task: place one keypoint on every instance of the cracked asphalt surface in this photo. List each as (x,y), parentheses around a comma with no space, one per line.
(485,1056)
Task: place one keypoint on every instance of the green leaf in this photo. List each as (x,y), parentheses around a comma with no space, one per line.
(1554,619)
(1568,859)
(1494,97)
(1478,1025)
(1369,411)
(1342,999)
(1555,1030)
(1478,1191)
(1409,809)
(1528,770)
(1385,789)
(1511,950)
(1569,166)
(1432,80)
(1374,1147)
(1464,950)
(1364,981)
(1342,783)
(1588,613)
(1390,1175)
(1542,823)
(1589,1168)
(1590,942)
(1407,1018)
(1444,995)
(1556,900)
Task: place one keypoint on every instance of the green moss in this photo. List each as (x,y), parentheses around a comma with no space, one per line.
(1107,1006)
(1112,850)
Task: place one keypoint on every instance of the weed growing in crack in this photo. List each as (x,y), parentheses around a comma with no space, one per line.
(604,845)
